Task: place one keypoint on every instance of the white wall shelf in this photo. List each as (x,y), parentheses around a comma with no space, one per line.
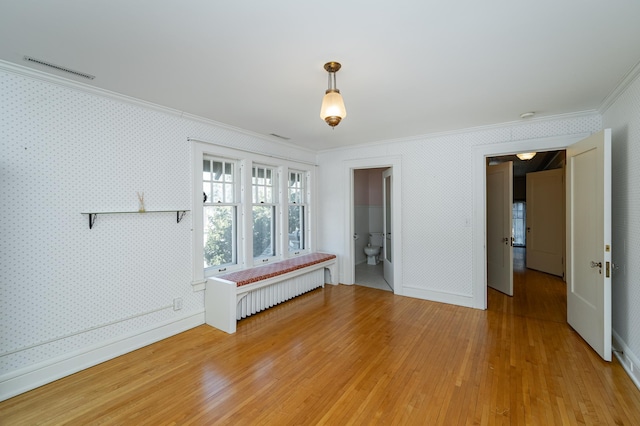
(93,215)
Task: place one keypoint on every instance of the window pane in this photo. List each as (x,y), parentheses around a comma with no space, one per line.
(219,235)
(206,188)
(206,170)
(294,196)
(216,193)
(217,170)
(519,224)
(263,231)
(228,172)
(296,228)
(228,193)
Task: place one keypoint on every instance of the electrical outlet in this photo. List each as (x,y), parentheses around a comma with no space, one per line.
(177,304)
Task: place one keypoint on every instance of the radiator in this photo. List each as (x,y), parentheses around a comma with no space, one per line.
(266,297)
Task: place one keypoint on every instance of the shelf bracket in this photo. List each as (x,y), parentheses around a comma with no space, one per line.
(92,219)
(179,215)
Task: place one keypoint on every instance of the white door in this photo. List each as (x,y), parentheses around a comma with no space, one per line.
(545,221)
(499,242)
(589,240)
(387,211)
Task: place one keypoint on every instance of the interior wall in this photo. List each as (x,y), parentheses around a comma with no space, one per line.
(375,200)
(361,212)
(623,117)
(368,211)
(437,210)
(68,290)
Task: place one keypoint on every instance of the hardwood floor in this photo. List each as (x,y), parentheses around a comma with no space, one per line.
(355,355)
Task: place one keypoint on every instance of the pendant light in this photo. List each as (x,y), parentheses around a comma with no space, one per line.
(332,110)
(526,155)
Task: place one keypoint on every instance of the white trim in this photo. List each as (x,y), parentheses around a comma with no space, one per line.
(28,378)
(87,88)
(264,154)
(479,287)
(199,285)
(348,261)
(438,296)
(458,132)
(629,361)
(624,84)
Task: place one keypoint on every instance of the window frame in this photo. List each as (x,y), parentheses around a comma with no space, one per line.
(244,162)
(235,204)
(304,203)
(274,203)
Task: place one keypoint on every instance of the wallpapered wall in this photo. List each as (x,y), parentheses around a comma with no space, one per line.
(437,198)
(623,117)
(66,288)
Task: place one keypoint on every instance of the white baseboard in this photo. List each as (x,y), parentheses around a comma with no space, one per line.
(26,379)
(437,296)
(627,358)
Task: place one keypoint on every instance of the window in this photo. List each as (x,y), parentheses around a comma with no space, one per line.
(264,195)
(220,213)
(248,209)
(297,206)
(519,224)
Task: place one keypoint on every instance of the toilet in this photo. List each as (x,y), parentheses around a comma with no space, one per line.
(372,250)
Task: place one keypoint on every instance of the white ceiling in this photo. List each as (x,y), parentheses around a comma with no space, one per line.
(408,67)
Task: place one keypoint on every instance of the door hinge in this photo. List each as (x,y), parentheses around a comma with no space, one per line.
(607,269)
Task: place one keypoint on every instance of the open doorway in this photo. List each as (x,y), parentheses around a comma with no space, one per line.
(391,253)
(369,228)
(535,203)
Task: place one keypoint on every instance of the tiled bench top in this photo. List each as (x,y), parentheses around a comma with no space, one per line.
(259,273)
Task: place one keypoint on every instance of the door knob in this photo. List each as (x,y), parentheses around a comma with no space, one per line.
(596,264)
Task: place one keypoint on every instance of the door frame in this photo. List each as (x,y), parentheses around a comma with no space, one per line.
(348,263)
(479,230)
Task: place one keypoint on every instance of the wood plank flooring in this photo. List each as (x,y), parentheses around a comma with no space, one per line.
(354,355)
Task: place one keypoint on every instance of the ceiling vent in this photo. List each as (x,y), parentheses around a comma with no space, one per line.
(59,68)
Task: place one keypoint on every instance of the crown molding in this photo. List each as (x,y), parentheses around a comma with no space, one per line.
(504,125)
(624,84)
(86,88)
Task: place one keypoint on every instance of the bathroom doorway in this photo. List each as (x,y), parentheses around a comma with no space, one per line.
(371,236)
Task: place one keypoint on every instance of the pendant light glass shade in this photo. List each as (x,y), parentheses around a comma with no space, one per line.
(333,109)
(526,155)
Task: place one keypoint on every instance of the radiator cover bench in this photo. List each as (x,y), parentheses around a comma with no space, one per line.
(236,295)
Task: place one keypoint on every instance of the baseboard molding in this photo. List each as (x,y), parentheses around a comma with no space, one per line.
(31,377)
(438,296)
(627,358)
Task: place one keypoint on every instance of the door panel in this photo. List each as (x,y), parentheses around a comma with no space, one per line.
(589,240)
(499,242)
(387,212)
(546,221)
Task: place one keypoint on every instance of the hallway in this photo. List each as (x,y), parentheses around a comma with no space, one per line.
(535,294)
